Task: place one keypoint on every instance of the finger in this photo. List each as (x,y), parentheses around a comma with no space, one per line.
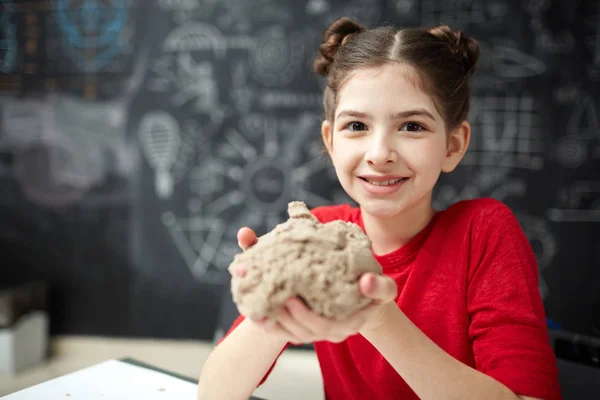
(293,326)
(377,287)
(300,312)
(246,238)
(276,328)
(240,270)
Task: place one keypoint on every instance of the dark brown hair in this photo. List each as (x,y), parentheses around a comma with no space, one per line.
(443,60)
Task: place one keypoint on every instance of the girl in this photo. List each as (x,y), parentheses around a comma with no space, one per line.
(458,314)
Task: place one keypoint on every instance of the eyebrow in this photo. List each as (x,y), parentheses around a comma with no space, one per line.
(399,115)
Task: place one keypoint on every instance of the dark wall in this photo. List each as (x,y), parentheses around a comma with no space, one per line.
(137,137)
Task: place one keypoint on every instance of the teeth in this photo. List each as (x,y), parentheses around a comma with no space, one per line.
(384,183)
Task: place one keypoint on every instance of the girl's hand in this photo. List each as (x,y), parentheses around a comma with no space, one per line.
(298,324)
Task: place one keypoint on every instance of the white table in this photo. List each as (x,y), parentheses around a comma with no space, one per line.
(113,379)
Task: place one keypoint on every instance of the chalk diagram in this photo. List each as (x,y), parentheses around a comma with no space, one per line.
(244,94)
(488,181)
(547,41)
(579,202)
(248,180)
(47,164)
(63,148)
(582,131)
(169,147)
(592,26)
(8,38)
(366,12)
(506,131)
(460,13)
(193,52)
(230,15)
(94,32)
(543,244)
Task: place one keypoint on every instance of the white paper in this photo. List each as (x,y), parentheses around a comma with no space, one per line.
(110,380)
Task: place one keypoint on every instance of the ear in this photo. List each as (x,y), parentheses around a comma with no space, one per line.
(458,142)
(327,135)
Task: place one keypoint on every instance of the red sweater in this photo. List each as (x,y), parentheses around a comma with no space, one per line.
(468,280)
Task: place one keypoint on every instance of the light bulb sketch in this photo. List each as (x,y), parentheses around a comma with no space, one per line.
(160,141)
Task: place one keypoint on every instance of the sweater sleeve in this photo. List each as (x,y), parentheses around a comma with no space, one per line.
(507,319)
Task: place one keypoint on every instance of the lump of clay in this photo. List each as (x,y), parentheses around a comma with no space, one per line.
(320,263)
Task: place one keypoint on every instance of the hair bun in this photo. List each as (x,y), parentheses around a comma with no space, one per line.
(335,36)
(460,45)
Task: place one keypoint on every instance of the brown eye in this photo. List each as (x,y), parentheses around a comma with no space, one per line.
(412,127)
(356,126)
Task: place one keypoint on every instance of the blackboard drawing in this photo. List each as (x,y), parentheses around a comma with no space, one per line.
(187,69)
(287,99)
(544,246)
(247,180)
(511,63)
(64,148)
(579,202)
(180,5)
(367,12)
(317,7)
(545,40)
(93,31)
(209,177)
(487,182)
(582,130)
(196,80)
(276,57)
(50,166)
(243,16)
(584,121)
(160,141)
(507,132)
(241,93)
(199,242)
(592,25)
(404,7)
(8,38)
(461,13)
(196,37)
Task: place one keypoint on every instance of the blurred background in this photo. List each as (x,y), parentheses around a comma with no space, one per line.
(137,136)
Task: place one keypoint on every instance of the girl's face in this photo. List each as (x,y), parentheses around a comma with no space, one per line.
(388,143)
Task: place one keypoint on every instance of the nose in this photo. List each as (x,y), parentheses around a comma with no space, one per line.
(380,152)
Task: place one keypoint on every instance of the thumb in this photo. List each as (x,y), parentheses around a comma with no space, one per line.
(246,238)
(378,287)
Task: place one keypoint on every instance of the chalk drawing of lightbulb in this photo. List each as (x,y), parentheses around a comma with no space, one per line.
(160,142)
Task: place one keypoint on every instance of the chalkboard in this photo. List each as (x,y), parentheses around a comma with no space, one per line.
(136,138)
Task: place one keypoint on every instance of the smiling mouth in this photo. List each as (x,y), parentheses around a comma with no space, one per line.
(383,183)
